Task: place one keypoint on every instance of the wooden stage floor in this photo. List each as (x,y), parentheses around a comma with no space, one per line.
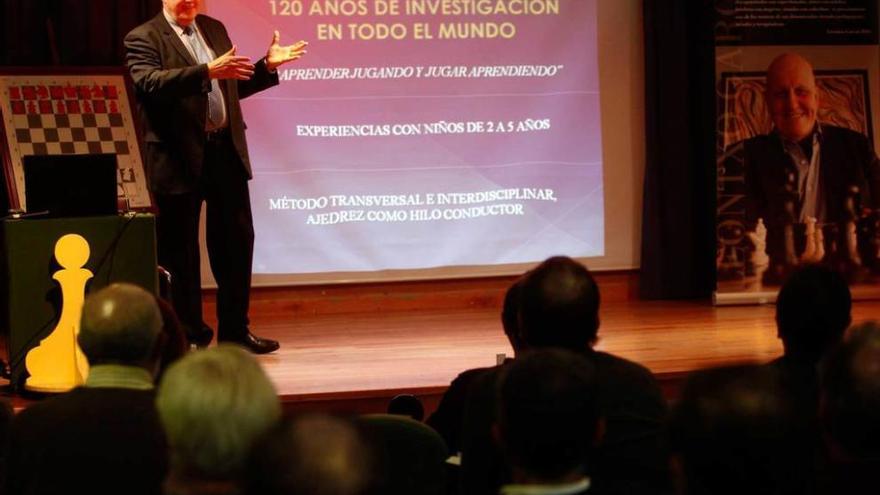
(352,348)
(356,361)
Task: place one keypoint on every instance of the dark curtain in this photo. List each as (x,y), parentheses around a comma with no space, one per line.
(678,219)
(68,32)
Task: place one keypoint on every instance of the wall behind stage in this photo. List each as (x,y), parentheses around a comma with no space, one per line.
(621,79)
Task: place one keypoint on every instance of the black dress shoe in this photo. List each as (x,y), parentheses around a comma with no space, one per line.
(200,336)
(255,344)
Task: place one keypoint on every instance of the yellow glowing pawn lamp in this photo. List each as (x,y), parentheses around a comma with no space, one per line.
(57,364)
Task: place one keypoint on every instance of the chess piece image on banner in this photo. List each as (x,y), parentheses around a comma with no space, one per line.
(814,247)
(758,260)
(869,240)
(846,259)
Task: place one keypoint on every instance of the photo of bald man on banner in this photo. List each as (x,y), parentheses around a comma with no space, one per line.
(799,171)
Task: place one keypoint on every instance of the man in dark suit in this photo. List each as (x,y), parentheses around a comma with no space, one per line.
(803,169)
(548,422)
(813,311)
(447,418)
(851,412)
(104,437)
(559,309)
(188,82)
(738,430)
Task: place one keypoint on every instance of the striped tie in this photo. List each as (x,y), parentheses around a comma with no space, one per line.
(215,96)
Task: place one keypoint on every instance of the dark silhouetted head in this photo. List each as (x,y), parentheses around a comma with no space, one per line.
(407,405)
(736,430)
(851,394)
(559,306)
(812,312)
(311,455)
(548,415)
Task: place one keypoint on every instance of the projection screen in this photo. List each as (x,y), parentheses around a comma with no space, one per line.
(423,137)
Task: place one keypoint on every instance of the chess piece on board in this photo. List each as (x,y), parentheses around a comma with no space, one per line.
(814,243)
(731,261)
(758,260)
(850,231)
(781,266)
(869,240)
(843,246)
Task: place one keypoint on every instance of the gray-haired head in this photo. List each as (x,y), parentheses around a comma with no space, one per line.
(214,404)
(120,324)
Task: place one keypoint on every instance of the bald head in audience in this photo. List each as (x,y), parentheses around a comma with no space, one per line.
(121,324)
(314,454)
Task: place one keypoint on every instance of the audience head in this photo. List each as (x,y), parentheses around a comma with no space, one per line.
(311,455)
(792,96)
(213,405)
(548,416)
(851,399)
(510,314)
(121,324)
(407,405)
(812,312)
(559,306)
(736,430)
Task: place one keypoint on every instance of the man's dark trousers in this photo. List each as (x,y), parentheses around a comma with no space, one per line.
(229,234)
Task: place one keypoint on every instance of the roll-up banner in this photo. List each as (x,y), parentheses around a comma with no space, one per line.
(798,178)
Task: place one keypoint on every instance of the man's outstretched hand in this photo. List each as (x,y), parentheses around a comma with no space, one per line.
(230,66)
(278,54)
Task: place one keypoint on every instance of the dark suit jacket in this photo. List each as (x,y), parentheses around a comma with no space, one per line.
(172,89)
(630,458)
(89,440)
(800,378)
(846,159)
(449,415)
